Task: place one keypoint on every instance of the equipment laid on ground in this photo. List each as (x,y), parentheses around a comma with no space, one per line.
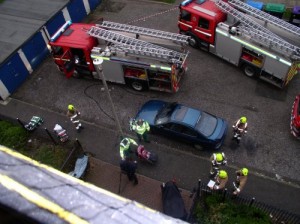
(33,123)
(262,45)
(61,133)
(146,155)
(173,204)
(80,166)
(140,57)
(295,118)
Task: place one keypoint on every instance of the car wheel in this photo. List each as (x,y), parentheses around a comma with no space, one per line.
(199,147)
(249,70)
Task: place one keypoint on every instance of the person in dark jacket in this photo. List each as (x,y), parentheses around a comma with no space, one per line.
(129,167)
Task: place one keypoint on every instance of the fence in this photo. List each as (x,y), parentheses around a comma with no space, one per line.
(278,216)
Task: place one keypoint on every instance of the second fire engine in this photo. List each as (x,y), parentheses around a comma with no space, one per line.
(262,45)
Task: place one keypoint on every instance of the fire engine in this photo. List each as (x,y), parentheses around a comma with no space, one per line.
(262,45)
(140,57)
(295,117)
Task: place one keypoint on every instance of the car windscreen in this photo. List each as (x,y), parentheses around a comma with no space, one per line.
(206,124)
(165,113)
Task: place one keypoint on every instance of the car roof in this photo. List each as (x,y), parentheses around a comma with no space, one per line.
(186,115)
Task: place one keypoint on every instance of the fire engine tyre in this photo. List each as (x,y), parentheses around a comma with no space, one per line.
(249,70)
(193,42)
(138,85)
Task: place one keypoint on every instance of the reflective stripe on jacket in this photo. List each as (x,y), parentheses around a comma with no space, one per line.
(125,145)
(141,129)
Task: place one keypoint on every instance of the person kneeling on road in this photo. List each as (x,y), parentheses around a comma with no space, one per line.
(126,148)
(217,159)
(241,179)
(220,180)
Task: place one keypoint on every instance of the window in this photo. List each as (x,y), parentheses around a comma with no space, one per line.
(57,51)
(203,23)
(189,132)
(185,15)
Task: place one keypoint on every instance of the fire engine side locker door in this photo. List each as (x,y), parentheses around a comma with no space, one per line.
(227,48)
(113,71)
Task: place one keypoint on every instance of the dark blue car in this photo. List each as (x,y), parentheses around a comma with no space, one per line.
(194,126)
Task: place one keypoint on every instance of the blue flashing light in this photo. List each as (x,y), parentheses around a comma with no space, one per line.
(61,30)
(186,2)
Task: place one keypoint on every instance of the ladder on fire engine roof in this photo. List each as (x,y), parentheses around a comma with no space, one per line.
(137,47)
(259,33)
(266,17)
(177,38)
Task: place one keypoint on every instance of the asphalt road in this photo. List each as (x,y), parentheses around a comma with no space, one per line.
(211,84)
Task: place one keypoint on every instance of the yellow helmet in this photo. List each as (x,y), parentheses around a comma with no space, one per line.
(70,107)
(222,174)
(243,120)
(245,171)
(219,157)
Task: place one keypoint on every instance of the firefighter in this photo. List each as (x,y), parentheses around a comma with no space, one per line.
(141,128)
(126,148)
(241,124)
(217,159)
(129,167)
(221,180)
(241,179)
(74,114)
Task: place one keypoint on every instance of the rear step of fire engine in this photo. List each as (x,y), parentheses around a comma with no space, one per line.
(265,17)
(178,38)
(259,33)
(137,47)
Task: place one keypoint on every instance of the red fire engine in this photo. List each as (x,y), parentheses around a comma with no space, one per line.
(262,45)
(139,57)
(295,117)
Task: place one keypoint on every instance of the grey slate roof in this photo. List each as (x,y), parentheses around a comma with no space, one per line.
(81,199)
(20,19)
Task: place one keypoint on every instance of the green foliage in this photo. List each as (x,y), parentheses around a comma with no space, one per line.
(214,211)
(12,136)
(50,155)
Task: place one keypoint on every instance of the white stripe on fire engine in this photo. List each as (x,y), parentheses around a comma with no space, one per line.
(25,61)
(255,48)
(185,24)
(207,34)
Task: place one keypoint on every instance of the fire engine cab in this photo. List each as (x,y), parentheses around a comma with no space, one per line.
(139,57)
(262,45)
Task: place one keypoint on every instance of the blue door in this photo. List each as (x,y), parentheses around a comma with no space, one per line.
(76,10)
(35,50)
(55,23)
(13,73)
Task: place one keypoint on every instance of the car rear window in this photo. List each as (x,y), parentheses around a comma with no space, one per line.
(207,124)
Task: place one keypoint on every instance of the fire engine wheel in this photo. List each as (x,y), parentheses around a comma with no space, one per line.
(249,70)
(137,85)
(193,41)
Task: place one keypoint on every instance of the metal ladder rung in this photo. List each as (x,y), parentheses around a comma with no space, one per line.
(266,17)
(183,39)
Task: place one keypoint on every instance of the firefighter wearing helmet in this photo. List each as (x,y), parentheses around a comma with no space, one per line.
(241,179)
(141,128)
(221,180)
(242,124)
(74,115)
(217,159)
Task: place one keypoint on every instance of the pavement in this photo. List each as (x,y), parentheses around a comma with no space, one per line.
(185,167)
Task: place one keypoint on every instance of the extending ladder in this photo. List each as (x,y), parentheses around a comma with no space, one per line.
(259,33)
(135,46)
(265,17)
(178,38)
